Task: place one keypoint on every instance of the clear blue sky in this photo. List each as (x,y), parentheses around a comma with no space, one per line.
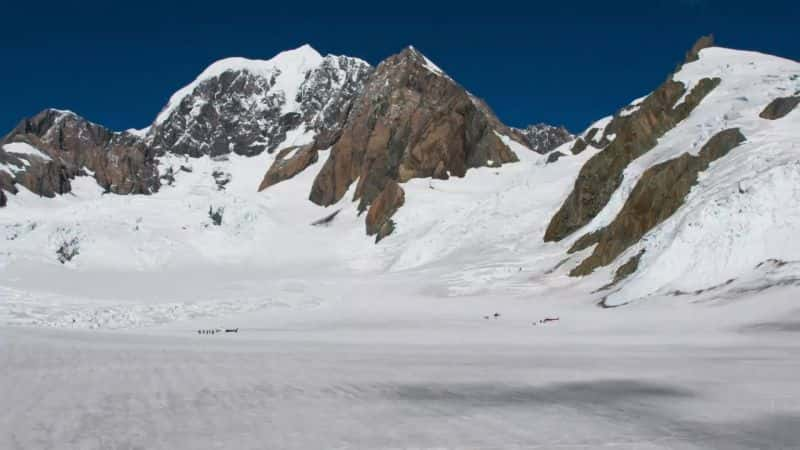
(566,62)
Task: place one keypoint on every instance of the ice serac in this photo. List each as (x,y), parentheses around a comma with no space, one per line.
(542,138)
(410,121)
(634,133)
(53,147)
(246,106)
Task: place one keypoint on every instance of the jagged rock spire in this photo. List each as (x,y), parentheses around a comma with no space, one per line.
(703,42)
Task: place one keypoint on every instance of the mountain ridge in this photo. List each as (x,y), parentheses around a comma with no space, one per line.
(424,167)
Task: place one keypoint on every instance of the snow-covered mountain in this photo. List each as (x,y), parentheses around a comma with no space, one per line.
(241,303)
(694,187)
(247,106)
(266,168)
(542,138)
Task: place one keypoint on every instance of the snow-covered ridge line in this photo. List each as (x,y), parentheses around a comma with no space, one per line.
(22,148)
(430,65)
(289,69)
(740,213)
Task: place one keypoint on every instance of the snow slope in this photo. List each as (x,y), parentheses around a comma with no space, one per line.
(746,206)
(343,343)
(145,260)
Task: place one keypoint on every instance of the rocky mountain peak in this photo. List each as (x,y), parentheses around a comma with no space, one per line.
(703,42)
(49,149)
(291,62)
(410,121)
(542,138)
(247,106)
(646,187)
(410,55)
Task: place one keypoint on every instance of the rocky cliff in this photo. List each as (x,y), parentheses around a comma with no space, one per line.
(657,195)
(45,152)
(411,121)
(247,106)
(631,133)
(684,190)
(542,138)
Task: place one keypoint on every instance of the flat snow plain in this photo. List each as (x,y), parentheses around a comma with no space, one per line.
(381,366)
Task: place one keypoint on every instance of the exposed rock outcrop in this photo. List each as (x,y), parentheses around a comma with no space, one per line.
(627,269)
(635,133)
(411,121)
(248,106)
(288,163)
(656,196)
(68,250)
(593,138)
(327,220)
(379,217)
(553,157)
(215,214)
(780,107)
(327,96)
(578,147)
(694,52)
(624,271)
(543,138)
(66,145)
(3,200)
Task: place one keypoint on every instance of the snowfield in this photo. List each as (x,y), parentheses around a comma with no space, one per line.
(386,371)
(343,343)
(288,69)
(746,207)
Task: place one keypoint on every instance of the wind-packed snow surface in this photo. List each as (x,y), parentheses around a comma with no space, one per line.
(343,343)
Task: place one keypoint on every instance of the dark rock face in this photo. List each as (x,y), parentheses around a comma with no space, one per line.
(328,94)
(543,138)
(221,179)
(636,133)
(68,250)
(780,107)
(658,194)
(3,200)
(46,178)
(627,269)
(215,214)
(694,52)
(585,241)
(379,218)
(120,162)
(201,124)
(579,146)
(242,112)
(624,271)
(591,138)
(553,157)
(327,220)
(411,121)
(288,163)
